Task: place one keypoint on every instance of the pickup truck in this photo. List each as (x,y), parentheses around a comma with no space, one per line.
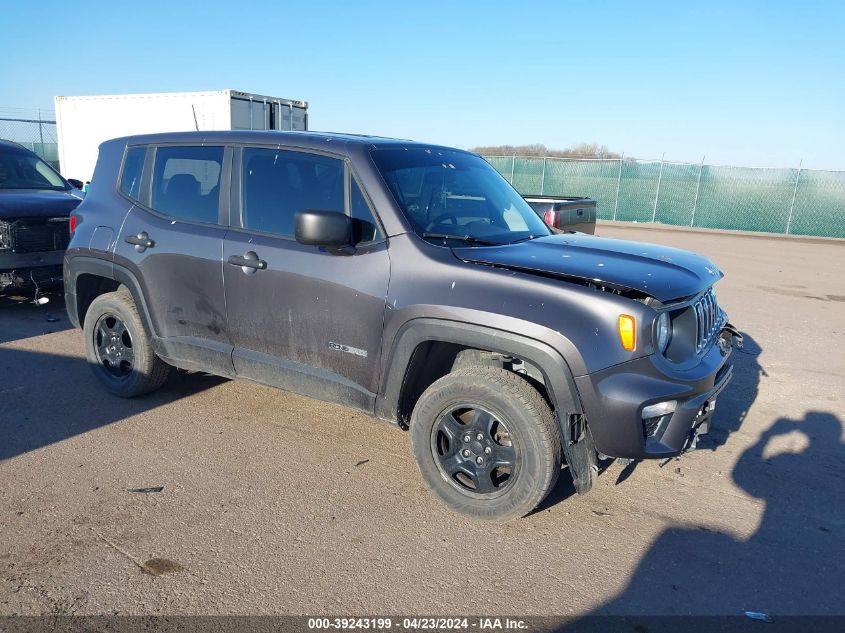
(565,214)
(406,280)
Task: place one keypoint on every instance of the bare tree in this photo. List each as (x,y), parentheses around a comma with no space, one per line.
(579,150)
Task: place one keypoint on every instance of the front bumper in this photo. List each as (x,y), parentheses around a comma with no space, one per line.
(613,401)
(20,270)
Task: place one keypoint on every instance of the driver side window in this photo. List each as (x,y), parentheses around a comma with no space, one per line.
(277,184)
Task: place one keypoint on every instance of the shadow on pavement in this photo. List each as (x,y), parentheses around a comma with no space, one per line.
(735,401)
(21,318)
(47,398)
(792,564)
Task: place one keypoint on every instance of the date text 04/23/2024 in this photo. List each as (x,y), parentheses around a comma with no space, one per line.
(418,624)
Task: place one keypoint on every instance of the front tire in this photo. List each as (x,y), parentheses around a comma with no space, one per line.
(118,347)
(486,443)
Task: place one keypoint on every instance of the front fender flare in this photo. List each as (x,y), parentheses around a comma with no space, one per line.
(577,443)
(558,377)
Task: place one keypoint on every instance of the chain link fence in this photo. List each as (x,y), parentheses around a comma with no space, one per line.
(792,201)
(34,129)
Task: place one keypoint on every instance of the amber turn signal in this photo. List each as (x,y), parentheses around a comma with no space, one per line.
(627,332)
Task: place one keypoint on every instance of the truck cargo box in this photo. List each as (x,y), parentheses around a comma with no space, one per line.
(565,213)
(82,123)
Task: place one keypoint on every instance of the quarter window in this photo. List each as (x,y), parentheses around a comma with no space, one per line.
(277,184)
(366,229)
(186,182)
(133,165)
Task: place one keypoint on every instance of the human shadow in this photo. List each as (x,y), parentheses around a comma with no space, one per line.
(790,566)
(46,398)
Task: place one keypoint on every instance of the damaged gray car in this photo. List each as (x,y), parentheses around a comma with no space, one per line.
(35,207)
(409,281)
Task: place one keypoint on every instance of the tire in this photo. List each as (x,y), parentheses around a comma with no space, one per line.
(118,347)
(459,420)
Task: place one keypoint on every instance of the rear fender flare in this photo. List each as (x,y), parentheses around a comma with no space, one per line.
(82,265)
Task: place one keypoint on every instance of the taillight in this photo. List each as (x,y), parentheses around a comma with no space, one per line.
(74,220)
(552,218)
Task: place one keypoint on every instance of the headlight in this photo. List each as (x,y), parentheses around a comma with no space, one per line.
(662,332)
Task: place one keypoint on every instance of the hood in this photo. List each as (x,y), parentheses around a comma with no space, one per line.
(659,271)
(33,203)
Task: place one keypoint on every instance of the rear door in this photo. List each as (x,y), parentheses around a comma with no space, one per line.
(300,317)
(172,240)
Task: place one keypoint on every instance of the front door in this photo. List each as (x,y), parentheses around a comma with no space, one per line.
(300,317)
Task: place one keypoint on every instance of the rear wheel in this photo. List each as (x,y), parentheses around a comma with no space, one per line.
(118,347)
(486,443)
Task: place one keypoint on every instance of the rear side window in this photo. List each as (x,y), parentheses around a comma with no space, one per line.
(186,182)
(133,166)
(277,184)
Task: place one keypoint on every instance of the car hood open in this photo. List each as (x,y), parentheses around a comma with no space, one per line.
(34,203)
(659,271)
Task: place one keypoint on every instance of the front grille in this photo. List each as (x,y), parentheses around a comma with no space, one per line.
(5,235)
(36,234)
(708,318)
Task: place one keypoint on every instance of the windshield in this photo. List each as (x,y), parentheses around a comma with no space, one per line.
(21,169)
(454,195)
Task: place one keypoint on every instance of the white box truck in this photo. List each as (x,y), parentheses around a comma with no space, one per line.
(82,123)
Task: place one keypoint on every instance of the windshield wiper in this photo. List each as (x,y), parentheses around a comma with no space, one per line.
(525,239)
(469,239)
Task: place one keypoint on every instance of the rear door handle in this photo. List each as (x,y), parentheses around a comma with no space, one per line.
(141,241)
(249,262)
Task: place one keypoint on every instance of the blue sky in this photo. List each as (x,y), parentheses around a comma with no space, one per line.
(750,83)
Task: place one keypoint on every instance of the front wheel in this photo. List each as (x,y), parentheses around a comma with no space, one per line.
(486,443)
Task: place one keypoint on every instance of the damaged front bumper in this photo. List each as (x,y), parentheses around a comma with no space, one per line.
(617,402)
(29,270)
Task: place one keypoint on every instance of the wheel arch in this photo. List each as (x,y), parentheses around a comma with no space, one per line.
(91,277)
(447,339)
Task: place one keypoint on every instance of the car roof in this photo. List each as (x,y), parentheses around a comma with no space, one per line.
(314,140)
(13,145)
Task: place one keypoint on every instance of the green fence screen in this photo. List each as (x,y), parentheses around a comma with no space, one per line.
(794,201)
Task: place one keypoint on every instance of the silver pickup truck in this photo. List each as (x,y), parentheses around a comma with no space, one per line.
(565,214)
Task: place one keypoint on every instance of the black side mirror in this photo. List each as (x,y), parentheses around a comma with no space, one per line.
(76,184)
(331,229)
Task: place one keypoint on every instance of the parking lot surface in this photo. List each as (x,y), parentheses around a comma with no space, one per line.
(271,503)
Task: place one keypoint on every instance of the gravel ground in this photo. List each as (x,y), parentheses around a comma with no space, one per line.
(273,503)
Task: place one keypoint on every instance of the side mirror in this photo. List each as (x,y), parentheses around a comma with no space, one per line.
(76,184)
(332,229)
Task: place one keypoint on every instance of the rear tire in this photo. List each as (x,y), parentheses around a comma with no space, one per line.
(486,443)
(118,347)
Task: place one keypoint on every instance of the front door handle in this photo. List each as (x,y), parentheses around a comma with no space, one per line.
(141,241)
(249,262)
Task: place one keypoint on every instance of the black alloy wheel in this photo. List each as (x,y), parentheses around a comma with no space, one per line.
(113,345)
(119,348)
(474,450)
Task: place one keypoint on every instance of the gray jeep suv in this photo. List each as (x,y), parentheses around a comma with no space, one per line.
(407,280)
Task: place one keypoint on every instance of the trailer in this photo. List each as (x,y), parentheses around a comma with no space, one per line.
(82,123)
